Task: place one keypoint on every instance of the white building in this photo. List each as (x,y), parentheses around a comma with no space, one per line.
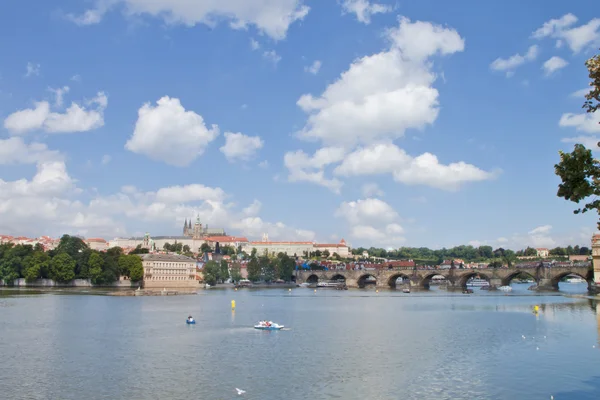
(168,271)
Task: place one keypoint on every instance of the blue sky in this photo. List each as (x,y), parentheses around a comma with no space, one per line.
(385,123)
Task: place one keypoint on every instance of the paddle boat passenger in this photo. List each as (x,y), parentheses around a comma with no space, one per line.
(190,319)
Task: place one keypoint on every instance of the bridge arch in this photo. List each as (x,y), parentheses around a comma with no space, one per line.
(313,278)
(508,278)
(362,280)
(462,279)
(338,277)
(392,280)
(558,277)
(426,280)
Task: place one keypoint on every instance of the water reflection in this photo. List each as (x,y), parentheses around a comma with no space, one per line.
(342,344)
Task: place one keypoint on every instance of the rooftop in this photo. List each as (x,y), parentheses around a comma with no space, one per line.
(166,257)
(226,239)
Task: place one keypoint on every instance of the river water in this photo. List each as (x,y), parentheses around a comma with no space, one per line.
(355,344)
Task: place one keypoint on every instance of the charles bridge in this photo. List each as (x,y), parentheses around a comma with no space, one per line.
(546,278)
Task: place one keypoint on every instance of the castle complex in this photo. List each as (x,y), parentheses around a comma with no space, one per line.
(198,232)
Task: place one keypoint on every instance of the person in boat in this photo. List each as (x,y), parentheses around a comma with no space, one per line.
(190,319)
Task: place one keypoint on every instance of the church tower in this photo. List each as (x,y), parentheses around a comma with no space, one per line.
(185,227)
(197,228)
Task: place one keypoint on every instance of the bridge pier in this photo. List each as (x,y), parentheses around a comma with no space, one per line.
(546,285)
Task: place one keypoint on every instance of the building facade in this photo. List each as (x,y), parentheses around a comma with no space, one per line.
(542,252)
(169,271)
(596,258)
(340,248)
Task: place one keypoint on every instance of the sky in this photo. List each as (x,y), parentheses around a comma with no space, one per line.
(385,123)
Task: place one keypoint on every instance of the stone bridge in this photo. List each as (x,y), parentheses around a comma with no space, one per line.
(546,278)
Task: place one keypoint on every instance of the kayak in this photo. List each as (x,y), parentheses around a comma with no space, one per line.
(273,327)
(192,322)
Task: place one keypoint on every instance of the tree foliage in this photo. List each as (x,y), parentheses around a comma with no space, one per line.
(592,103)
(579,171)
(71,259)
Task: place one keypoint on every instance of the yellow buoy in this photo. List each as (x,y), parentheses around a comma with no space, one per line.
(289,290)
(236,289)
(233,304)
(377,291)
(315,290)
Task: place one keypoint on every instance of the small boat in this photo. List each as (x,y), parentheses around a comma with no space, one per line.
(190,322)
(268,326)
(467,291)
(505,288)
(477,282)
(406,290)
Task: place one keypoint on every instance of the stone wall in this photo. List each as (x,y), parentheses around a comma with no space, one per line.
(74,283)
(183,284)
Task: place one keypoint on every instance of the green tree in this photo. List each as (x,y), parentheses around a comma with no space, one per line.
(318,253)
(139,250)
(205,248)
(224,270)
(211,271)
(592,103)
(285,267)
(326,253)
(579,171)
(236,272)
(336,256)
(96,265)
(37,266)
(186,249)
(530,252)
(267,269)
(253,268)
(62,268)
(167,247)
(136,268)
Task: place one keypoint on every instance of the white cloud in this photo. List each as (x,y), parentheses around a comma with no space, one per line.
(32,69)
(540,230)
(375,101)
(76,118)
(580,94)
(254,45)
(372,221)
(591,142)
(371,189)
(302,167)
(364,9)
(263,164)
(553,64)
(76,78)
(272,56)
(189,193)
(424,169)
(382,95)
(241,147)
(577,38)
(585,122)
(15,151)
(253,209)
(271,17)
(59,94)
(313,68)
(514,61)
(48,205)
(106,159)
(169,133)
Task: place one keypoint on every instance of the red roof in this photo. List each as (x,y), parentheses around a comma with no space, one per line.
(226,239)
(265,243)
(97,240)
